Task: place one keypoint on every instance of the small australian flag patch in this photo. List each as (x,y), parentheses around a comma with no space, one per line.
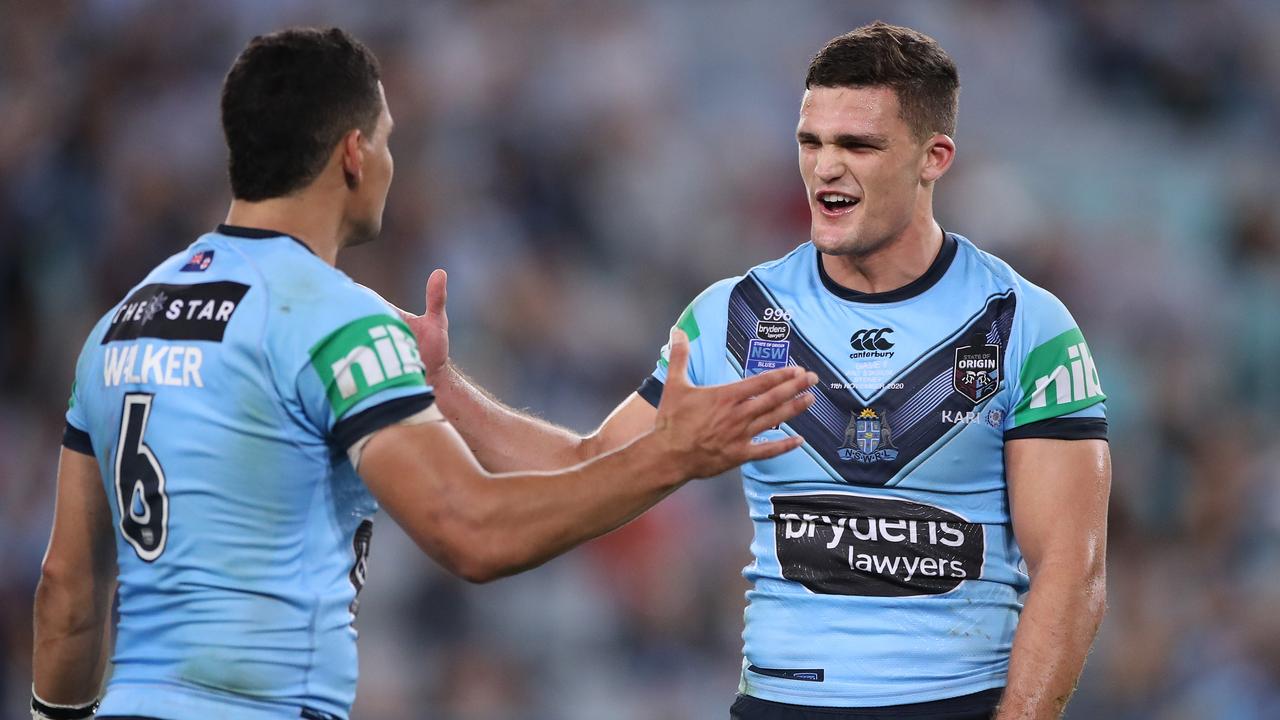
(199,262)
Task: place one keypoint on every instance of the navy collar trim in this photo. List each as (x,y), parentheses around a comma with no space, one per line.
(936,270)
(257,234)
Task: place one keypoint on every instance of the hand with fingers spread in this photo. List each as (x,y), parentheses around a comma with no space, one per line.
(710,429)
(432,327)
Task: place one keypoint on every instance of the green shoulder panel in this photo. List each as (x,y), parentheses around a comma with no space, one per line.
(1058,377)
(365,357)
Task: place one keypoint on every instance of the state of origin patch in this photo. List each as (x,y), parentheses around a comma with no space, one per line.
(765,355)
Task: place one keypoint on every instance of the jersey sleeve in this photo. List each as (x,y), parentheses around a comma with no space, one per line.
(361,369)
(704,322)
(1056,390)
(75,436)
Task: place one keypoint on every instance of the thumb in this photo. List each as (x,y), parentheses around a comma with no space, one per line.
(678,358)
(437,292)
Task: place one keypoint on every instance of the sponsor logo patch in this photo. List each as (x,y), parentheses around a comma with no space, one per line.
(772,330)
(1057,378)
(198,262)
(846,544)
(977,371)
(764,355)
(364,357)
(868,438)
(177,312)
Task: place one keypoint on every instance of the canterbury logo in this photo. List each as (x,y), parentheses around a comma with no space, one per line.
(871,339)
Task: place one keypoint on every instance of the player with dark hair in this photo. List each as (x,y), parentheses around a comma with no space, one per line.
(955,456)
(247,408)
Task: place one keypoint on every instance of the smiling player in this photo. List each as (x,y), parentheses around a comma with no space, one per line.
(954,457)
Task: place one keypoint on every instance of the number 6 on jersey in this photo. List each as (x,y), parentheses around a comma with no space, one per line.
(139,481)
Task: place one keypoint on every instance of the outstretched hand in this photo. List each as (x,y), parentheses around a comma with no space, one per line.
(711,429)
(432,327)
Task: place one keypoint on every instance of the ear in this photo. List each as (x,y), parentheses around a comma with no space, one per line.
(352,158)
(940,151)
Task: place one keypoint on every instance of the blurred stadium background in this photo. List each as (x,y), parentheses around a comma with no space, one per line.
(583,169)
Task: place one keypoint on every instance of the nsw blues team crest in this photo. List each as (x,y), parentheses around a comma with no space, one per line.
(977,371)
(765,355)
(868,438)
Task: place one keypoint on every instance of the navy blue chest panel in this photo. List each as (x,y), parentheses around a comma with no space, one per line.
(870,439)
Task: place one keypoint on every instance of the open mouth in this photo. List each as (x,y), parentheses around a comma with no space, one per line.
(836,203)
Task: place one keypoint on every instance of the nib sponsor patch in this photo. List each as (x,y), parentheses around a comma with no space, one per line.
(846,544)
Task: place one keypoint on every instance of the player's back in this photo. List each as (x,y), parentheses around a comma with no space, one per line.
(219,398)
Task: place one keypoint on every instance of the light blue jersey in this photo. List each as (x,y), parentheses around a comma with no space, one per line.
(885,569)
(219,399)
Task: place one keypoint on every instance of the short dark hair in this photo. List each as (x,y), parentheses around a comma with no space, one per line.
(288,100)
(910,62)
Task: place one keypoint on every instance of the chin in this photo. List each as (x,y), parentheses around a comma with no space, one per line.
(362,233)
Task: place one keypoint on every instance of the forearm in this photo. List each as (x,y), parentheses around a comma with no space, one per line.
(504,439)
(1059,622)
(518,521)
(70,647)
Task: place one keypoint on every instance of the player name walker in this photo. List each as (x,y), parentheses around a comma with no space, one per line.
(153,364)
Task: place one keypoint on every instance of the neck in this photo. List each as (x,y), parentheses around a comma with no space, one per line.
(895,264)
(299,216)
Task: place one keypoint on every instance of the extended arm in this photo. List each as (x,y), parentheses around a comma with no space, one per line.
(483,526)
(77,579)
(502,438)
(1058,492)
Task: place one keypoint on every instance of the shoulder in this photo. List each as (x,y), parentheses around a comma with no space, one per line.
(1033,301)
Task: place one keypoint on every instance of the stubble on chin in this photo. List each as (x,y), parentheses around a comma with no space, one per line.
(360,233)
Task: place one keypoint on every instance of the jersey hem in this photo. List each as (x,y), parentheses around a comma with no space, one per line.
(828,699)
(164,700)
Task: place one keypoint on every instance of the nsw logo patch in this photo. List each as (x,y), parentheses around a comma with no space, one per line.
(765,355)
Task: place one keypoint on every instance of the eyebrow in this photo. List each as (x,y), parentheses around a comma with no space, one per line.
(848,139)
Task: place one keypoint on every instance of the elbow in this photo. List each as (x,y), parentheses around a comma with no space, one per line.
(468,548)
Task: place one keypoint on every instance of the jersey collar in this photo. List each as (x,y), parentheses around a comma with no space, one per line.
(916,287)
(257,234)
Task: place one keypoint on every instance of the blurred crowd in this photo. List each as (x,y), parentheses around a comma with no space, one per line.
(583,169)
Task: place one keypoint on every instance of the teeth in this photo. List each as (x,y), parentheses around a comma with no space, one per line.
(834,198)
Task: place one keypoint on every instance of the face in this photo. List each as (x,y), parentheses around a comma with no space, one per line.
(864,172)
(371,181)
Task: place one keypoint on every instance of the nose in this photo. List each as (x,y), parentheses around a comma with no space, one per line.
(828,166)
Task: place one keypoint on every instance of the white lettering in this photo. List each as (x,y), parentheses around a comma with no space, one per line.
(957,537)
(837,529)
(191,361)
(151,363)
(175,310)
(361,357)
(206,313)
(173,365)
(191,309)
(225,310)
(887,525)
(1061,381)
(114,368)
(797,532)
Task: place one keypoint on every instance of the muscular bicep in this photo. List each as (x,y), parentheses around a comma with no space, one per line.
(633,418)
(1058,492)
(419,474)
(82,544)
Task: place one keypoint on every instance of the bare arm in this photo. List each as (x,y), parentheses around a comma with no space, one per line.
(1058,491)
(77,579)
(502,438)
(483,526)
